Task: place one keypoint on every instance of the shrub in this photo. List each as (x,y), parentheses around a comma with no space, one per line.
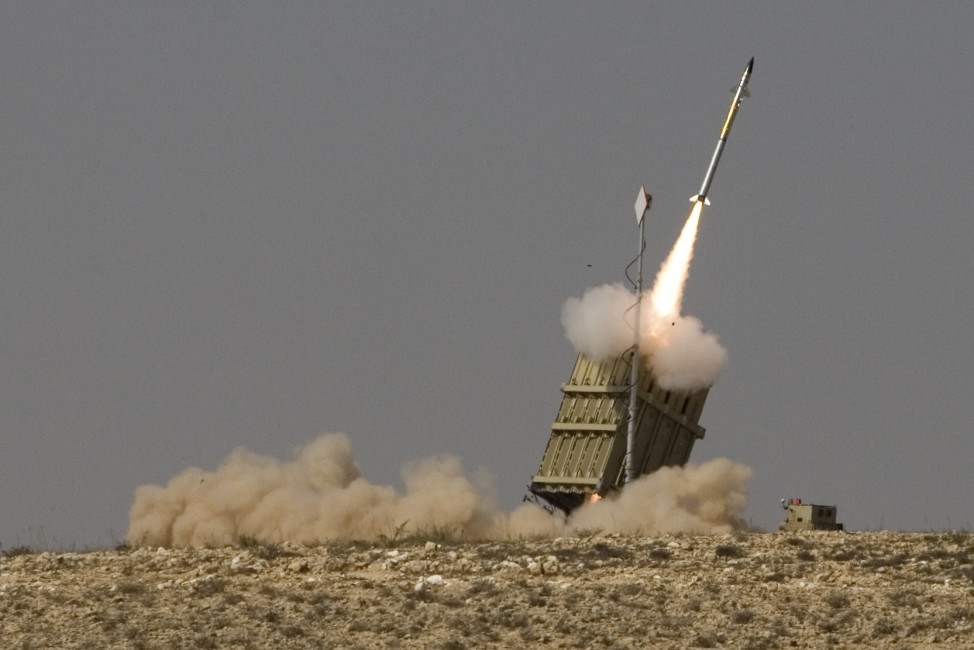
(660,597)
(511,618)
(564,554)
(661,554)
(631,589)
(884,626)
(758,643)
(485,587)
(956,537)
(837,600)
(209,587)
(742,616)
(712,587)
(933,554)
(528,635)
(536,599)
(262,550)
(231,598)
(437,535)
(960,614)
(892,561)
(451,601)
(829,625)
(727,550)
(903,598)
(844,555)
(18,550)
(132,588)
(318,598)
(602,550)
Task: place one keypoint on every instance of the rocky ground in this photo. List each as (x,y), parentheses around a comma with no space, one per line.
(750,590)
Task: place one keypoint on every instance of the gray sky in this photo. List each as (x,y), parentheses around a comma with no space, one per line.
(243,224)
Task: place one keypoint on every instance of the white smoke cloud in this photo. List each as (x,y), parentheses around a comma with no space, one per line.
(683,355)
(596,323)
(679,353)
(321,496)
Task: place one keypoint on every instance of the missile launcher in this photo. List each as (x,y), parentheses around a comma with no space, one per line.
(586,454)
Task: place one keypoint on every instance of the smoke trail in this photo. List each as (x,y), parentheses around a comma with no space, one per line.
(320,496)
(667,293)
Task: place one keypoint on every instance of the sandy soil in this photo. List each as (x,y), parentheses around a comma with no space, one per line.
(750,590)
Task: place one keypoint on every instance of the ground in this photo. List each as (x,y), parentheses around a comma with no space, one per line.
(749,590)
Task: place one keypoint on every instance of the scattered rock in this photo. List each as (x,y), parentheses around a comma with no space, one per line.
(861,589)
(415,566)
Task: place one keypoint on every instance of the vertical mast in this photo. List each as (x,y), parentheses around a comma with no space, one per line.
(643,202)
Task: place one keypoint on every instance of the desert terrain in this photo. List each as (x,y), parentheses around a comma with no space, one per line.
(746,590)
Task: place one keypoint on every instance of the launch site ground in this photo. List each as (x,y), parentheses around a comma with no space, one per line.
(748,590)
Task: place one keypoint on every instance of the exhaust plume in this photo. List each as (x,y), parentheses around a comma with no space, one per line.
(321,496)
(677,350)
(667,294)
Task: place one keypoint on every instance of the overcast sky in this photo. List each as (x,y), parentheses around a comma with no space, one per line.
(232,224)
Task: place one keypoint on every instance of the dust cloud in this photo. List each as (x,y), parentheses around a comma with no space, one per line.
(320,495)
(706,498)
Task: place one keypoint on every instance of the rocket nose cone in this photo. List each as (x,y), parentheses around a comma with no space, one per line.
(750,65)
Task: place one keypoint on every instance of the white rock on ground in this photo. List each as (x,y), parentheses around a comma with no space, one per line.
(758,590)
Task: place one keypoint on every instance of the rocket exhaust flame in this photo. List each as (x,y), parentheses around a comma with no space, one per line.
(667,293)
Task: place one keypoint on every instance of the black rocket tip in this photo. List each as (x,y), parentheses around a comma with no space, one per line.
(750,64)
